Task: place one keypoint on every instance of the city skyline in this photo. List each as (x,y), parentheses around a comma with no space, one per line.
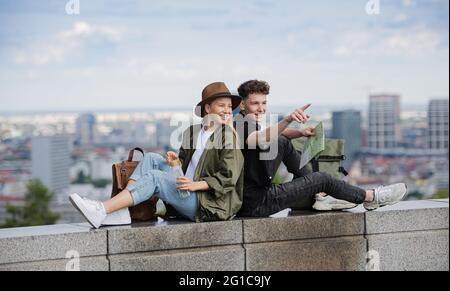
(99,140)
(114,54)
(273,107)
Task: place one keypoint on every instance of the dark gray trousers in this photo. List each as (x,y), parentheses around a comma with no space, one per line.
(301,191)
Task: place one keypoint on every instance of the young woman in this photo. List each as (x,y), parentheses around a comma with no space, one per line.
(212,187)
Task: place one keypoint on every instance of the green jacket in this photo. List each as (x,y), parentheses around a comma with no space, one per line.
(222,167)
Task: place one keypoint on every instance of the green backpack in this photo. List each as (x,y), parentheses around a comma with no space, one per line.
(328,161)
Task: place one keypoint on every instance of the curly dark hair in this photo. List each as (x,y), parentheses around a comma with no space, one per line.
(253,87)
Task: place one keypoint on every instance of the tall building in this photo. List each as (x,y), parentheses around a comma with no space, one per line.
(50,161)
(441,174)
(141,134)
(347,126)
(86,129)
(384,122)
(438,125)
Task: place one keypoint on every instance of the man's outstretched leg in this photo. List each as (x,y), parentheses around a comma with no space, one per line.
(283,196)
(291,158)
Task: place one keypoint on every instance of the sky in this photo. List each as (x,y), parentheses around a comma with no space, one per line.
(117,54)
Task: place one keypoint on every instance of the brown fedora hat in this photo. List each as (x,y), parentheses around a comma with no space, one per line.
(213,91)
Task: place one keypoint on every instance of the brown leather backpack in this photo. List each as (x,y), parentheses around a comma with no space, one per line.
(121,172)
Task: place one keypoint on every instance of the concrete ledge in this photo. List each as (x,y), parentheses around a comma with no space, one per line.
(412,251)
(227,258)
(407,236)
(305,225)
(85,264)
(408,216)
(338,254)
(178,235)
(50,242)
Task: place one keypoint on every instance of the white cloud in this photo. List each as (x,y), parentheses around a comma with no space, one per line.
(414,43)
(402,17)
(291,38)
(83,29)
(79,29)
(40,54)
(162,69)
(248,71)
(408,3)
(166,71)
(342,51)
(65,44)
(355,43)
(20,58)
(385,42)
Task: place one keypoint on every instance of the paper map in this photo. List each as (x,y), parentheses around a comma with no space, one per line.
(314,145)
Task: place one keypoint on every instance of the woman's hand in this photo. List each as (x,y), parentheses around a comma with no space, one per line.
(172,159)
(186,184)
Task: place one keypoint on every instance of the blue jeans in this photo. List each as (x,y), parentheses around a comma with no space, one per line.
(153,176)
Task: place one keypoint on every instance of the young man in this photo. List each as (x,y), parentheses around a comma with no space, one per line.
(210,160)
(261,197)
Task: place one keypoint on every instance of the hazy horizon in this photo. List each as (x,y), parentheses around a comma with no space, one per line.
(280,107)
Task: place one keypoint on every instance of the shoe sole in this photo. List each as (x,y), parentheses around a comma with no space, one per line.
(321,207)
(114,224)
(390,203)
(106,223)
(82,210)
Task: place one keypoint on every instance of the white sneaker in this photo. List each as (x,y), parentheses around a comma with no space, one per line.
(119,217)
(387,195)
(328,203)
(282,213)
(93,211)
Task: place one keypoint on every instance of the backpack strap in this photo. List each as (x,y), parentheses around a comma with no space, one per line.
(331,158)
(131,153)
(315,165)
(343,171)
